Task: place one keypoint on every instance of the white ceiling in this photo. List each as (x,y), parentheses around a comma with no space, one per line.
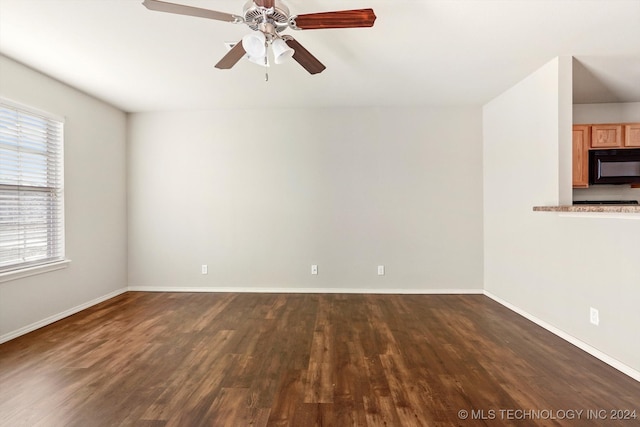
(420,52)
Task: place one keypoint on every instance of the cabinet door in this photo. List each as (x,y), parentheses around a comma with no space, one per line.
(606,136)
(581,156)
(632,135)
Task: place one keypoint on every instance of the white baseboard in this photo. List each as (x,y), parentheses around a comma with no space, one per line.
(627,370)
(292,290)
(44,322)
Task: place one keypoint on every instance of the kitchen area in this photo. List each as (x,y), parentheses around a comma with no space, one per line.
(606,156)
(606,132)
(605,136)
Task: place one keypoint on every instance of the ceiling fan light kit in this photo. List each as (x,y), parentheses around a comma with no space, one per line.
(267,19)
(281,51)
(255,44)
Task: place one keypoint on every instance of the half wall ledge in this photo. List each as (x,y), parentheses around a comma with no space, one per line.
(590,208)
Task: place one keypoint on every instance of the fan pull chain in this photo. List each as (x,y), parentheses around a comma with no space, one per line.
(266,61)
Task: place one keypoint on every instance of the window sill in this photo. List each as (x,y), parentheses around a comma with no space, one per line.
(32,271)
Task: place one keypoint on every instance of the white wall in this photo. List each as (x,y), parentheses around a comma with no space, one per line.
(550,266)
(624,112)
(95,203)
(628,112)
(261,195)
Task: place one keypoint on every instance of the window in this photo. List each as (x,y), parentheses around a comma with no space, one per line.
(31,188)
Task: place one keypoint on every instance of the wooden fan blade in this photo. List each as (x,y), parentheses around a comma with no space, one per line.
(265,3)
(180,9)
(338,19)
(305,58)
(232,57)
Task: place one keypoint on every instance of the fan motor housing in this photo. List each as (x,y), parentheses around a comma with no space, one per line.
(254,16)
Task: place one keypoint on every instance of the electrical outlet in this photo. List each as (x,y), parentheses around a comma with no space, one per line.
(381,270)
(205,269)
(314,269)
(594,316)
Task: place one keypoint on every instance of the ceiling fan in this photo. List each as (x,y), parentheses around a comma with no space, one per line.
(267,19)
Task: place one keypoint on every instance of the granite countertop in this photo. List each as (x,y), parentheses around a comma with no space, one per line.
(590,208)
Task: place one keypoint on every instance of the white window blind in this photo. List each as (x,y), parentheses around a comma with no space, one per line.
(31,188)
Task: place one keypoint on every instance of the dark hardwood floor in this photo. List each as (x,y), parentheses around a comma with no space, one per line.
(179,359)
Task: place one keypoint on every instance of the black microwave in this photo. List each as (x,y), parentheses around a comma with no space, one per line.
(614,166)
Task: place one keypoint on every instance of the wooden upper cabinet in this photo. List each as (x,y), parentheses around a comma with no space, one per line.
(599,137)
(606,136)
(581,137)
(632,135)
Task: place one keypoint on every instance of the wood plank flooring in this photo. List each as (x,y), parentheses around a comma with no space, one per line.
(180,359)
